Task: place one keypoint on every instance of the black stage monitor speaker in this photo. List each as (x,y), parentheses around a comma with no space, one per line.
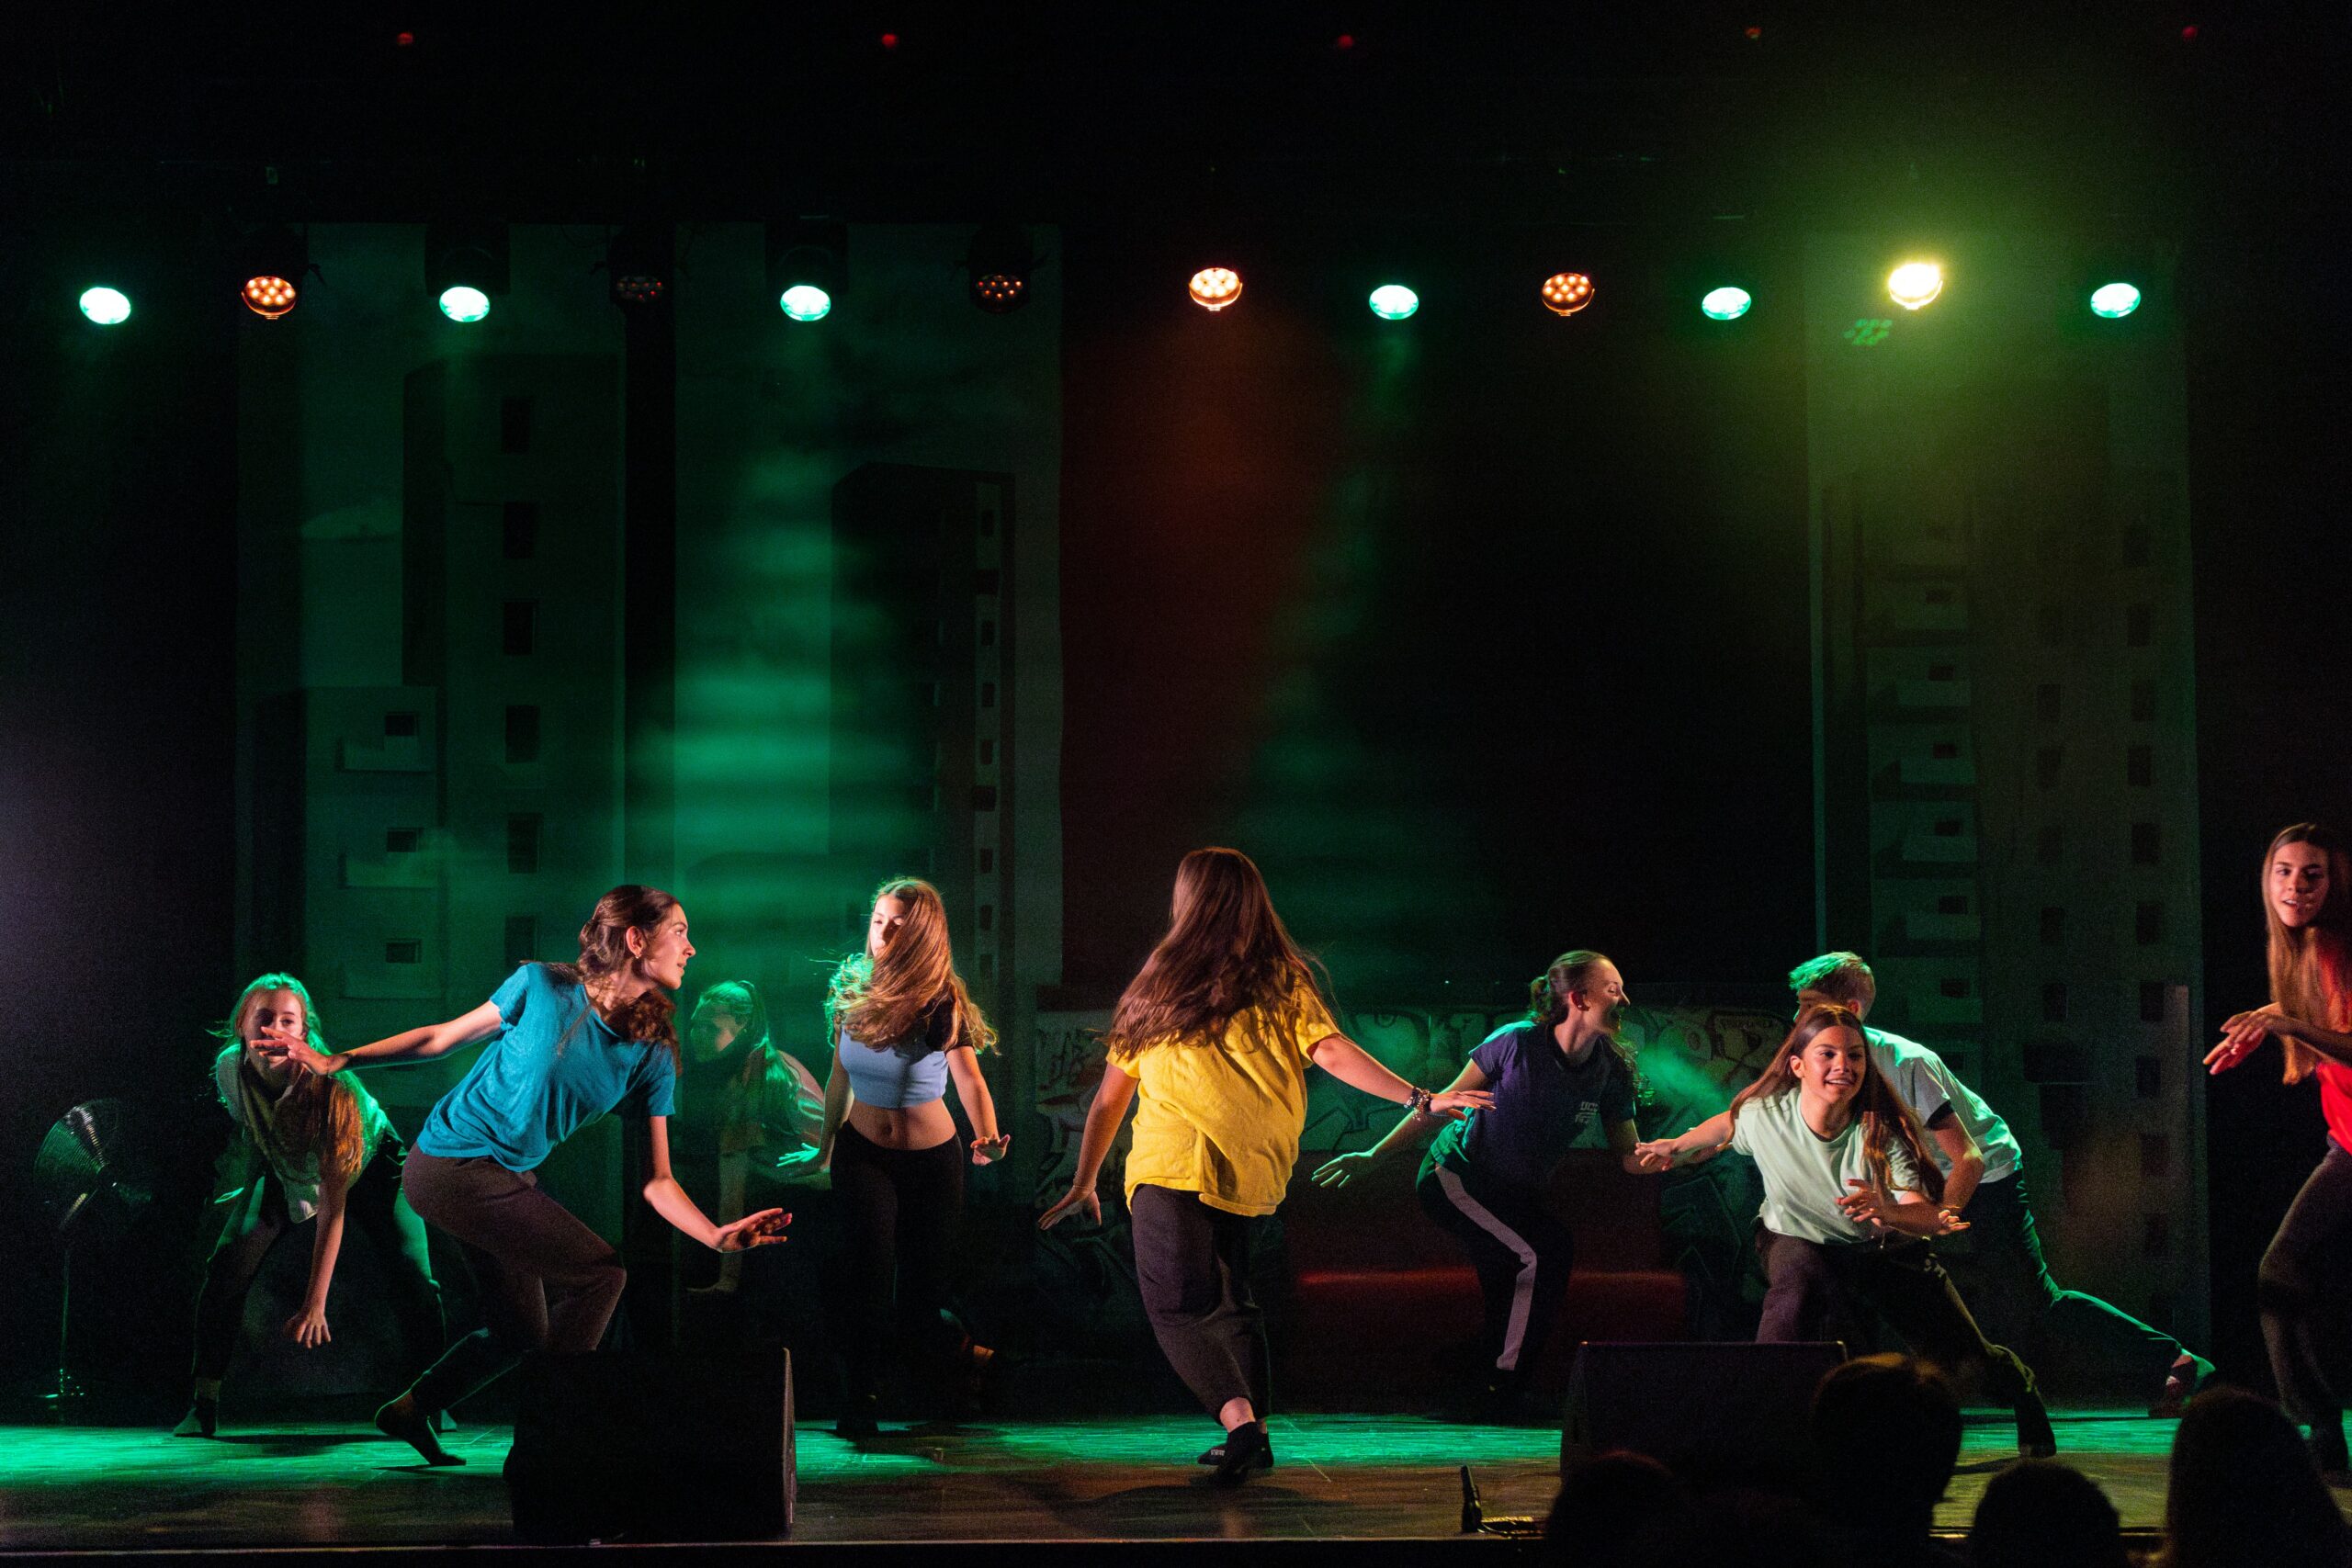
(652,1445)
(1716,1413)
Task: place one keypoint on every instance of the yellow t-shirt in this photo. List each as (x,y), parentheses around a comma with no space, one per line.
(1221,1118)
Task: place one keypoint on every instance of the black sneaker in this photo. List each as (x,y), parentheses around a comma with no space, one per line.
(2035,1439)
(1244,1447)
(857,1421)
(1216,1455)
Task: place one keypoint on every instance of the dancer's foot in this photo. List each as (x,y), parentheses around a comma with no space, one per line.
(444,1421)
(1216,1455)
(203,1419)
(2035,1439)
(2181,1381)
(1244,1446)
(402,1419)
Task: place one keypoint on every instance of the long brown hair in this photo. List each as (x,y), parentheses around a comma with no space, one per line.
(651,1016)
(2311,969)
(1885,1118)
(882,1001)
(1227,953)
(1548,1003)
(319,1116)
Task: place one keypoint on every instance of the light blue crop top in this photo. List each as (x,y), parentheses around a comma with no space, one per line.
(893,1078)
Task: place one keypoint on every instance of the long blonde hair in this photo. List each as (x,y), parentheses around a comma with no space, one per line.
(2311,969)
(1887,1120)
(319,1118)
(1227,953)
(882,1001)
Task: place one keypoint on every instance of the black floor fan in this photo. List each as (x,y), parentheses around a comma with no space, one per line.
(89,1183)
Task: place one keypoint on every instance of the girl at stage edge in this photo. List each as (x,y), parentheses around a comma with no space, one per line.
(1847,1206)
(1214,1035)
(1553,1073)
(569,1041)
(2307,901)
(903,1025)
(317,1149)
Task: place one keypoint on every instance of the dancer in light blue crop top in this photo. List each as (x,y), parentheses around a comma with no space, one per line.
(903,1027)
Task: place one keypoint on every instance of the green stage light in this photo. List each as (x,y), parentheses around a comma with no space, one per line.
(107,307)
(2113,300)
(464,303)
(1725,304)
(1393,302)
(805,302)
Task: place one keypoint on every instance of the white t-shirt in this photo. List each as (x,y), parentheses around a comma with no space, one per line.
(1804,1175)
(1926,1086)
(249,1100)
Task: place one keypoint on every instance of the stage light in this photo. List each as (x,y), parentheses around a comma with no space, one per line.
(1565,293)
(1725,304)
(275,263)
(1215,287)
(998,264)
(464,303)
(2114,301)
(1393,302)
(106,307)
(269,296)
(637,261)
(1914,285)
(807,266)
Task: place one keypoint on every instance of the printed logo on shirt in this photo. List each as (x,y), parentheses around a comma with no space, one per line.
(1588,1113)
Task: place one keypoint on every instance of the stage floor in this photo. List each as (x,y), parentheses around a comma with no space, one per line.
(1352,1477)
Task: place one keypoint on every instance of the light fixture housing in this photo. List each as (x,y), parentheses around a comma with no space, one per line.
(105,305)
(1565,293)
(1916,285)
(1728,303)
(807,266)
(999,265)
(1394,302)
(466,264)
(1215,287)
(638,267)
(2113,301)
(274,264)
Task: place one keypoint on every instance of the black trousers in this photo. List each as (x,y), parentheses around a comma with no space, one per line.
(1521,1252)
(1907,1285)
(545,1281)
(1998,1267)
(898,1210)
(1193,1266)
(258,1222)
(2296,1312)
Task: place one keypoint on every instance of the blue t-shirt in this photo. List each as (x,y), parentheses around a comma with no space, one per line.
(526,1095)
(912,1072)
(1542,1102)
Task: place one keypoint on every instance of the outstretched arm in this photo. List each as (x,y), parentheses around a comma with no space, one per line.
(308,1328)
(972,1088)
(1697,1143)
(408,1045)
(1111,1098)
(669,1201)
(1351,1065)
(1410,1129)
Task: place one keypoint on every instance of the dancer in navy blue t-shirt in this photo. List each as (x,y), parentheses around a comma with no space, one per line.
(1553,1076)
(570,1042)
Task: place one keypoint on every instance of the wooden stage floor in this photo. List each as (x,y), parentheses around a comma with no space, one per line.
(1355,1478)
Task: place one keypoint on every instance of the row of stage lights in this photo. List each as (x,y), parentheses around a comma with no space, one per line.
(806,270)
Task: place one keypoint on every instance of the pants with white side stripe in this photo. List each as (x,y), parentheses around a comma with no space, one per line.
(1522,1255)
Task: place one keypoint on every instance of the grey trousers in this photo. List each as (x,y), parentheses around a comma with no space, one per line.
(1192,1264)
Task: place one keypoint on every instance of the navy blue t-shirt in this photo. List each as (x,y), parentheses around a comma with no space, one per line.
(555,1067)
(1542,1102)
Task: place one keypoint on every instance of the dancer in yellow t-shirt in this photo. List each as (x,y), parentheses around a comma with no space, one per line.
(1214,1036)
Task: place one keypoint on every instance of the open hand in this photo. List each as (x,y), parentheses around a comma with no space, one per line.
(308,1328)
(1081,1197)
(2242,1033)
(291,1051)
(1655,1156)
(986,1149)
(1453,1106)
(1339,1170)
(762,1229)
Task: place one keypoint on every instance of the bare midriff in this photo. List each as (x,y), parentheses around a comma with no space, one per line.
(912,1127)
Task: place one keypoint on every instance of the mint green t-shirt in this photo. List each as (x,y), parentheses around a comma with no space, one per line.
(1806,1175)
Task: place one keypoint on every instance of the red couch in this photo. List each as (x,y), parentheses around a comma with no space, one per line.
(1381,1305)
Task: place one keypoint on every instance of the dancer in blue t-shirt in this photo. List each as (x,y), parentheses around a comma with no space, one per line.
(1554,1075)
(569,1042)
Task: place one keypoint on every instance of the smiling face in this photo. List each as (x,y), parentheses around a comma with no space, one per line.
(889,916)
(1832,1066)
(2296,884)
(662,956)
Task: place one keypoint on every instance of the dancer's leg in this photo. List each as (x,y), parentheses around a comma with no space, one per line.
(1799,1286)
(930,1186)
(377,1207)
(2315,1229)
(253,1226)
(1520,1253)
(1910,1287)
(1186,1271)
(866,1269)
